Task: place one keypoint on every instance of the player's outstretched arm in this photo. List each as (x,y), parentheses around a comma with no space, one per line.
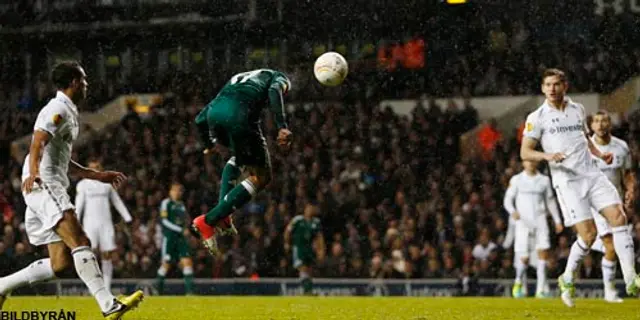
(38,142)
(509,200)
(113,177)
(287,236)
(528,152)
(276,103)
(119,205)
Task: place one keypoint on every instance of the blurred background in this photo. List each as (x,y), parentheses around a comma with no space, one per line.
(407,161)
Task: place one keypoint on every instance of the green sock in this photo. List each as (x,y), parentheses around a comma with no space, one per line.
(188,283)
(307,285)
(236,198)
(160,281)
(229,174)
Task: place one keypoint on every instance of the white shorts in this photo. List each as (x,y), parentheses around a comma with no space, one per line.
(101,235)
(45,207)
(578,197)
(529,239)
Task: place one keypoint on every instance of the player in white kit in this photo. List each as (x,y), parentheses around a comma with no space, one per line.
(528,199)
(560,126)
(50,218)
(93,205)
(620,174)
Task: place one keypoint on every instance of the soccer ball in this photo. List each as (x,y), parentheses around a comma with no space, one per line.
(330,69)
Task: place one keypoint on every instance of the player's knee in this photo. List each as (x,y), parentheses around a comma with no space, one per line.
(617,218)
(187,271)
(62,266)
(588,237)
(163,270)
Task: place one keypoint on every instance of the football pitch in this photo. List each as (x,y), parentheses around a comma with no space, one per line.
(299,308)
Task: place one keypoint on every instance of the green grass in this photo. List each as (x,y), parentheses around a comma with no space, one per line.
(299,308)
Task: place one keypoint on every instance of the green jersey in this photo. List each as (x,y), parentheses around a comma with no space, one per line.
(174,218)
(304,231)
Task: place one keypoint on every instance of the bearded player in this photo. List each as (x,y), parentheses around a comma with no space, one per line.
(620,174)
(233,119)
(560,126)
(51,218)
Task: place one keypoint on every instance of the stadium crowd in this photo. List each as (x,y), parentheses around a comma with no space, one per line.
(394,199)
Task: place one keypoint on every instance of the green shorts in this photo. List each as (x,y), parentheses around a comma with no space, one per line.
(231,124)
(175,248)
(302,257)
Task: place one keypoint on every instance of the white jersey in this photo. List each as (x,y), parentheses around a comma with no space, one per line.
(60,119)
(93,201)
(621,161)
(563,131)
(531,197)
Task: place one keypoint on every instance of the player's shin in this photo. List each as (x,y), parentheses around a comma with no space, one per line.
(162,273)
(87,268)
(307,283)
(520,269)
(608,272)
(579,249)
(37,271)
(541,275)
(107,271)
(187,272)
(236,198)
(623,244)
(230,173)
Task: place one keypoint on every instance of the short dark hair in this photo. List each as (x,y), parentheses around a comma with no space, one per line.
(554,72)
(64,73)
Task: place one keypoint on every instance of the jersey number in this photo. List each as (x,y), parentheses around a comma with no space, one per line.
(245,76)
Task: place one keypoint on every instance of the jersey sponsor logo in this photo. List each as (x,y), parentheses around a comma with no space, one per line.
(565,129)
(529,126)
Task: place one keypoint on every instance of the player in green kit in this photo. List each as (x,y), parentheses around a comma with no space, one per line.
(233,119)
(302,231)
(175,246)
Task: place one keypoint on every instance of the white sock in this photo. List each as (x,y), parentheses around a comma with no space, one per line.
(37,271)
(579,249)
(623,244)
(541,273)
(107,272)
(598,245)
(88,270)
(608,272)
(520,270)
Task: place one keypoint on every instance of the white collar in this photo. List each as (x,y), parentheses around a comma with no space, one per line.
(66,100)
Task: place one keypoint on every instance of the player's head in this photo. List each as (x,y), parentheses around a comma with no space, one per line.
(69,76)
(95,164)
(530,166)
(601,124)
(176,190)
(310,210)
(554,85)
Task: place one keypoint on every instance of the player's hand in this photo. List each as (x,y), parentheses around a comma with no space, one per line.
(554,157)
(287,248)
(515,216)
(113,177)
(284,139)
(559,228)
(27,185)
(607,157)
